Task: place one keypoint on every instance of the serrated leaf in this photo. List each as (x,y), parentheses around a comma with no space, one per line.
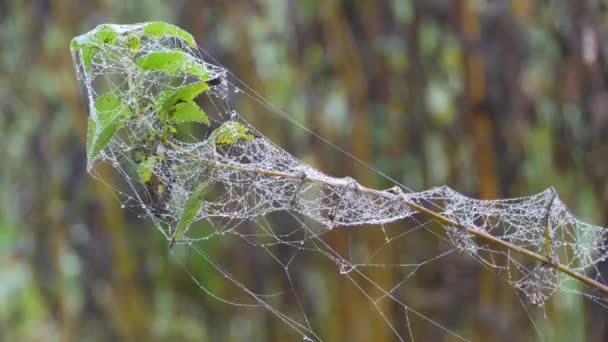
(132,41)
(145,168)
(230,132)
(188,111)
(169,61)
(173,63)
(75,44)
(193,205)
(159,28)
(104,34)
(88,52)
(111,114)
(167,99)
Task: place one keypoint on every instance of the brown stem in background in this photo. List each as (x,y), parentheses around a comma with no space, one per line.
(547,227)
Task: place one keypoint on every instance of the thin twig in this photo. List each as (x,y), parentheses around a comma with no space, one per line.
(389,194)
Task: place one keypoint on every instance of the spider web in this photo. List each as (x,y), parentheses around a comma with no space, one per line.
(262,196)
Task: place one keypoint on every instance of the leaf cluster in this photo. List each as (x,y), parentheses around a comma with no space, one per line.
(174,105)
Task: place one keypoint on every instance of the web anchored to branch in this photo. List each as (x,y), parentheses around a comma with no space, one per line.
(142,81)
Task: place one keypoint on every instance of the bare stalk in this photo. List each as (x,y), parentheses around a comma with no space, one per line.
(545,259)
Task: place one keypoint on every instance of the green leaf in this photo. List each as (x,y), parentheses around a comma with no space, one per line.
(88,52)
(230,132)
(169,61)
(105,34)
(189,111)
(159,28)
(111,114)
(172,62)
(193,205)
(145,168)
(167,99)
(75,44)
(132,41)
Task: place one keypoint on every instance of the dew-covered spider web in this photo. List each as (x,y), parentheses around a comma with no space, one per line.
(224,180)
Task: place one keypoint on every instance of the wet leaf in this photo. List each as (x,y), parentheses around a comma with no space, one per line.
(230,132)
(110,115)
(132,41)
(166,100)
(173,63)
(146,167)
(104,34)
(159,28)
(189,111)
(191,209)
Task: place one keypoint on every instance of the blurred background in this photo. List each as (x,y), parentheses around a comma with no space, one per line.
(493,98)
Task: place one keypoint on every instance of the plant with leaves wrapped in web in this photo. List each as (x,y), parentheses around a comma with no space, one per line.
(143,82)
(137,111)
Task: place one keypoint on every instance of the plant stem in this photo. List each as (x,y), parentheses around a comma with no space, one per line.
(545,259)
(498,242)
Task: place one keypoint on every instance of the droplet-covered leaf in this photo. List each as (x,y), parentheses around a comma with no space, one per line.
(159,28)
(110,115)
(169,61)
(230,132)
(173,63)
(189,111)
(132,41)
(104,34)
(193,205)
(145,168)
(88,52)
(166,100)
